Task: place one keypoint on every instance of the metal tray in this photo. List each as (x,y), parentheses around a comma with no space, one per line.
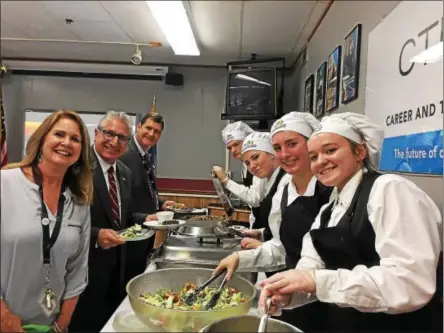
(202,229)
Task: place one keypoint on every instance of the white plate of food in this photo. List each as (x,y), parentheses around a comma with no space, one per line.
(168,224)
(136,233)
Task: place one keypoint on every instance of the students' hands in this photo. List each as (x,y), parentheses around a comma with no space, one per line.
(219,172)
(108,238)
(250,243)
(290,282)
(278,301)
(230,263)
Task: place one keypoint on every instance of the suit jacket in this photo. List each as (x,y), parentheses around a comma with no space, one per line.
(142,199)
(101,217)
(106,271)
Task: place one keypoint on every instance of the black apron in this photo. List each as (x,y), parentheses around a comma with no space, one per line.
(297,219)
(262,212)
(248,180)
(352,243)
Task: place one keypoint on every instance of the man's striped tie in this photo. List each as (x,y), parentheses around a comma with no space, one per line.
(113,196)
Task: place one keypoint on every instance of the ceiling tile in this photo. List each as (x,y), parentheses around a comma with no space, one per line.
(218,24)
(135,18)
(77,10)
(11,30)
(272,26)
(99,31)
(27,12)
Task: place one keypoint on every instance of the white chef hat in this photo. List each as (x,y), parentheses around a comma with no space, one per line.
(258,141)
(236,131)
(303,123)
(357,128)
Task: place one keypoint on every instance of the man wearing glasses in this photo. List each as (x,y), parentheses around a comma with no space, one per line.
(145,195)
(111,212)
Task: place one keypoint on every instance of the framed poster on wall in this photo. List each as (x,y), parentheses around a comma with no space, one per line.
(404,88)
(309,92)
(350,70)
(333,75)
(320,91)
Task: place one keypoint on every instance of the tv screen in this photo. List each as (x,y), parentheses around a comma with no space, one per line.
(251,94)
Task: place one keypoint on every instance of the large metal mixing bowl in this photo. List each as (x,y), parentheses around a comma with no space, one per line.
(248,324)
(170,320)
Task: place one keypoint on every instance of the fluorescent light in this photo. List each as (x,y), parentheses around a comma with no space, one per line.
(430,55)
(249,78)
(172,19)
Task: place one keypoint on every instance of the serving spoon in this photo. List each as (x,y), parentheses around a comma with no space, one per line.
(264,318)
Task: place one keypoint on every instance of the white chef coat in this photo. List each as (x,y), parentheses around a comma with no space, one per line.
(252,195)
(270,256)
(406,224)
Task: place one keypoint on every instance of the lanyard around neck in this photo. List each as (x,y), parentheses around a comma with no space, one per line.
(49,241)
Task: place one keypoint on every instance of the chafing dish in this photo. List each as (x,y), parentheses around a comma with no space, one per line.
(201,229)
(199,244)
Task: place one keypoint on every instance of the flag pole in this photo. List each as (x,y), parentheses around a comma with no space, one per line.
(153,107)
(3,148)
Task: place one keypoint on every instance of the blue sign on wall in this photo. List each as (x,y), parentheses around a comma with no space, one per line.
(414,153)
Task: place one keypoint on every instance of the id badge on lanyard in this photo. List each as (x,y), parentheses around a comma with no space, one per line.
(49,301)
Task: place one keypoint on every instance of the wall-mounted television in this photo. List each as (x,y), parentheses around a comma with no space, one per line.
(251,94)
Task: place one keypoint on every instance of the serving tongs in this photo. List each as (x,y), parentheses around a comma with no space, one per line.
(215,297)
(191,297)
(226,203)
(264,318)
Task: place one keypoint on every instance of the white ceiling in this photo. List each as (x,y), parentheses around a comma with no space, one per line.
(225,30)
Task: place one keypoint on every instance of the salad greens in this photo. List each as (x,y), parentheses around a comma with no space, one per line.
(133,232)
(169,299)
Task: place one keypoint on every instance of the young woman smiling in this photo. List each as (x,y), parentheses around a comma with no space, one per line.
(258,156)
(373,252)
(294,209)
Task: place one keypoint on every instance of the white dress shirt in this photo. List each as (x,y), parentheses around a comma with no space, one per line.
(270,256)
(406,224)
(139,147)
(244,171)
(105,167)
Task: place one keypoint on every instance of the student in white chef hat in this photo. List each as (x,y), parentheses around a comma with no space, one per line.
(295,206)
(373,252)
(233,136)
(253,189)
(258,155)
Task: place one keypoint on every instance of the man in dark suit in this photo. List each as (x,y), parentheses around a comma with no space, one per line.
(111,211)
(145,197)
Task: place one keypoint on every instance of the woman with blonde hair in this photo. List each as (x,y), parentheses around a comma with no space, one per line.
(45,226)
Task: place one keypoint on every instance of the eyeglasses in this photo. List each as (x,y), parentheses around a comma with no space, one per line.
(110,135)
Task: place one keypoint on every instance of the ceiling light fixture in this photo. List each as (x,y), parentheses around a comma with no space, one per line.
(136,59)
(172,19)
(430,55)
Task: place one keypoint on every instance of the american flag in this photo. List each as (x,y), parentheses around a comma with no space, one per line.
(4,150)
